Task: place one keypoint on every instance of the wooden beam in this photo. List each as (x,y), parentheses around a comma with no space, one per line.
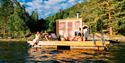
(70,43)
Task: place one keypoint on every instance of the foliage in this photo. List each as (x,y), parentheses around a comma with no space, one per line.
(96,12)
(16,22)
(42,25)
(6,9)
(34,16)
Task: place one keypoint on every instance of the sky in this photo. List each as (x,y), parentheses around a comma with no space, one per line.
(47,8)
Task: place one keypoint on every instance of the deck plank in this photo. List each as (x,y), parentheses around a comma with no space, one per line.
(70,43)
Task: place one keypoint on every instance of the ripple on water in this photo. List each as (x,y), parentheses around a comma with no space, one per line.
(50,61)
(54,52)
(93,61)
(17,52)
(1,61)
(64,56)
(44,56)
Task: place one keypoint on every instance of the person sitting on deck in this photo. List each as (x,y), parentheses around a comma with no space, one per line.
(78,35)
(46,35)
(37,38)
(61,35)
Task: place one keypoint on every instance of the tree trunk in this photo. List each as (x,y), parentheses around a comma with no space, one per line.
(110,17)
(4,26)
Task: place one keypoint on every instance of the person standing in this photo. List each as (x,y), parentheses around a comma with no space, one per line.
(85,33)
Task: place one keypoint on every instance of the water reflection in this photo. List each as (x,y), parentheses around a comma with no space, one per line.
(66,56)
(19,52)
(12,52)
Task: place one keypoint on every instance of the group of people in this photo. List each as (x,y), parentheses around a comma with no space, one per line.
(46,35)
(80,35)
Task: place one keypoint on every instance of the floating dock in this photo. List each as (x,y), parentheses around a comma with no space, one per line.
(73,44)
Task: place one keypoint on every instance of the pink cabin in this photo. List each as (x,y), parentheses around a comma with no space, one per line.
(67,27)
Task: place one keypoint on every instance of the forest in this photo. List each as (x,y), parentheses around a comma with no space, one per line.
(15,21)
(100,15)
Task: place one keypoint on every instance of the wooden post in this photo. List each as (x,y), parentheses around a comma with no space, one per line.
(4,27)
(94,39)
(103,40)
(102,33)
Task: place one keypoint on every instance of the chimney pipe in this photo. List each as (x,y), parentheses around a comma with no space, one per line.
(77,14)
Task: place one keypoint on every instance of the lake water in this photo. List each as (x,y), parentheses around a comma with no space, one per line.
(19,52)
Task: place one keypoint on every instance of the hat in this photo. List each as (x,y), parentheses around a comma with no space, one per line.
(85,26)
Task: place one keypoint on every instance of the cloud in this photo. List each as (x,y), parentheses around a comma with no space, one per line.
(46,8)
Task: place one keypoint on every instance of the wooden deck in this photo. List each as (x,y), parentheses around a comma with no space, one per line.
(72,44)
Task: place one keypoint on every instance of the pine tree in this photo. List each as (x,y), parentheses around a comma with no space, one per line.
(6,10)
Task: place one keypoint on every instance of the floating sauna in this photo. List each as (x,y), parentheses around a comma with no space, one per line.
(68,26)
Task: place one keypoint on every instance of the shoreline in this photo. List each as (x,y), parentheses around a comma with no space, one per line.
(13,40)
(118,38)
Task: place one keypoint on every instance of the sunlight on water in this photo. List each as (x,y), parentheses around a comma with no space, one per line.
(19,52)
(64,56)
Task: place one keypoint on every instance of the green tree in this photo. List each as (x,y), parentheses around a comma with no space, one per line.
(16,24)
(100,13)
(34,16)
(6,9)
